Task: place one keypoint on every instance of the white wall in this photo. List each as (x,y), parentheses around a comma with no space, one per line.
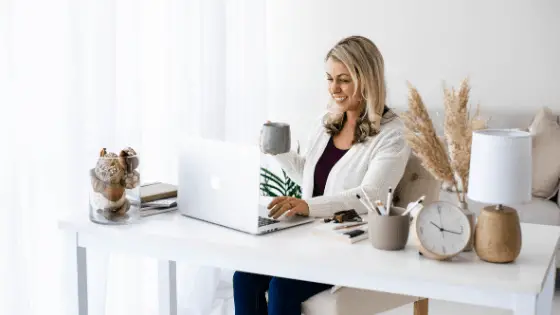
(510,50)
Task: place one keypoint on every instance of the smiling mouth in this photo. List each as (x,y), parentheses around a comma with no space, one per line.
(340,99)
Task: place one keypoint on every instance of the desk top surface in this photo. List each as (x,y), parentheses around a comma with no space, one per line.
(299,246)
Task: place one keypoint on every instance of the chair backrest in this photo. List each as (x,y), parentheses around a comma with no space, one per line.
(416,181)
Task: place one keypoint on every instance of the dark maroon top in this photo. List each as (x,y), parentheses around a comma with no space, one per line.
(330,156)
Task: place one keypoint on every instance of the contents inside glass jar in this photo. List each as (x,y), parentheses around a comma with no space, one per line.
(114,180)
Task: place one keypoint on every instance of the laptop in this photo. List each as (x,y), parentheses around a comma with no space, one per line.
(219,182)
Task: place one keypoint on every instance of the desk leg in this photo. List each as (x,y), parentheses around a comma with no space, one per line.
(525,305)
(544,300)
(542,303)
(421,307)
(76,276)
(167,287)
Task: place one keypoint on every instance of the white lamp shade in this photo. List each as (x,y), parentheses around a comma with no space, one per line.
(501,166)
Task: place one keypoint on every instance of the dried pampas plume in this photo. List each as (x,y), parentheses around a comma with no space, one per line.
(458,128)
(423,140)
(448,162)
(458,133)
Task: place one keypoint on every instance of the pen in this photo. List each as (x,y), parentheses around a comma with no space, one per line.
(380,206)
(368,200)
(414,205)
(367,206)
(389,200)
(413,210)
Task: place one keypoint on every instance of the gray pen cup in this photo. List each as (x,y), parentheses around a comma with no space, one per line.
(275,138)
(389,232)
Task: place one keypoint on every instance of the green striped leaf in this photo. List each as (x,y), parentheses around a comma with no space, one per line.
(270,190)
(271,174)
(275,186)
(279,184)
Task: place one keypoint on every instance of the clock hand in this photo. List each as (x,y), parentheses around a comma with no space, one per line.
(440,221)
(439,213)
(452,232)
(440,229)
(435,225)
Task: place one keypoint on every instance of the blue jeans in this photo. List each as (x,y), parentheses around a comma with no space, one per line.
(284,295)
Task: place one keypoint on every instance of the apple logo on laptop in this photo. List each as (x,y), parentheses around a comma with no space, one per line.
(215,183)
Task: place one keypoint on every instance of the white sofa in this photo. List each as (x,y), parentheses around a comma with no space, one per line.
(538,211)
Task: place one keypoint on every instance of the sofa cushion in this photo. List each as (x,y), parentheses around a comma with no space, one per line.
(558,196)
(539,211)
(545,130)
(319,304)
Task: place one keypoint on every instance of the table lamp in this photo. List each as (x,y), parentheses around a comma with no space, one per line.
(500,174)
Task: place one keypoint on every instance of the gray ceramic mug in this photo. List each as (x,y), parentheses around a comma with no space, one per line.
(275,138)
(389,232)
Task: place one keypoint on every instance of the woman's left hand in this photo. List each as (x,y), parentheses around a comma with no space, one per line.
(288,205)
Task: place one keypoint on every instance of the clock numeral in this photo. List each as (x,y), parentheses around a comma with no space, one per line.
(421,230)
(443,249)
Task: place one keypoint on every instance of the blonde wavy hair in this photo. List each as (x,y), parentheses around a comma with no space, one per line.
(365,64)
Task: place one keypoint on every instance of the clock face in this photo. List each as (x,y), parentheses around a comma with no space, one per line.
(443,229)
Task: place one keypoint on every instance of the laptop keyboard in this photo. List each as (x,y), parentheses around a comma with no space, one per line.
(266,221)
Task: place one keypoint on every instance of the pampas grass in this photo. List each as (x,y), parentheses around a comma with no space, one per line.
(423,140)
(458,133)
(448,162)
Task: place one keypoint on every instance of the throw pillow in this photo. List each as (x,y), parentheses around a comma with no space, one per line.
(558,195)
(545,130)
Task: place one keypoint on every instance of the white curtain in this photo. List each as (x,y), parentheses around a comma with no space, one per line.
(76,76)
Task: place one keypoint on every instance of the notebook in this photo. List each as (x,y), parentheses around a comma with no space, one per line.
(157,190)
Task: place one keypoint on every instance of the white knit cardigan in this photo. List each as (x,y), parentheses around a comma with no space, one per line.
(374,166)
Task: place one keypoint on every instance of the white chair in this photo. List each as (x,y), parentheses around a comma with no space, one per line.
(416,181)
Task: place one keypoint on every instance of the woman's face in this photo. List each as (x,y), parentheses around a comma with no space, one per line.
(341,86)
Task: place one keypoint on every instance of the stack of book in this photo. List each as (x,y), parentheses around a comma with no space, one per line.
(157,198)
(349,232)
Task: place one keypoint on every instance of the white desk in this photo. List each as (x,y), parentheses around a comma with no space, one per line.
(525,286)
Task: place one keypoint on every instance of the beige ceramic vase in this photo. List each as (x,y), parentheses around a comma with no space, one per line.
(472,220)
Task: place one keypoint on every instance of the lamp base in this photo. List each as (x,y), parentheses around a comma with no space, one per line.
(497,235)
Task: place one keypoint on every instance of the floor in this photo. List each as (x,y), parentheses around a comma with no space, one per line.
(223,305)
(446,308)
(435,308)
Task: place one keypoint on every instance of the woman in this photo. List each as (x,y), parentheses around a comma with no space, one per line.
(358,147)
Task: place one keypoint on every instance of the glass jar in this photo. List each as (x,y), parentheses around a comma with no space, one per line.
(472,222)
(114,195)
